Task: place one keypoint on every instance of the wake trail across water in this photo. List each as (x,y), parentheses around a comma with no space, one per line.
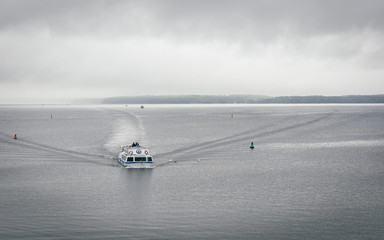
(127,127)
(244,135)
(80,156)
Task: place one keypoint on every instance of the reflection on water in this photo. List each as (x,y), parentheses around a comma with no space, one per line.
(136,184)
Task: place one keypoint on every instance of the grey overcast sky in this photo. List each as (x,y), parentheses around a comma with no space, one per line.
(51,49)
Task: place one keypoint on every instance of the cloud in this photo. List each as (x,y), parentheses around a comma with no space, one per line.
(102,48)
(245,22)
(212,19)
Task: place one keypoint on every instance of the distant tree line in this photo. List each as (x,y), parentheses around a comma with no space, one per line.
(326,99)
(184,99)
(222,99)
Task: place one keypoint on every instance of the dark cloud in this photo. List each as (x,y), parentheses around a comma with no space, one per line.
(187,44)
(268,18)
(210,19)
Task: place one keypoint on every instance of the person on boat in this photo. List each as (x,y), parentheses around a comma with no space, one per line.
(133,144)
(137,144)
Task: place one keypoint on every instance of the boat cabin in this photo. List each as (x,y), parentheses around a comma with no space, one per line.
(136,156)
(131,158)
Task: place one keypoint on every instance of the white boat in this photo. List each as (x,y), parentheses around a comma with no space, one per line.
(135,156)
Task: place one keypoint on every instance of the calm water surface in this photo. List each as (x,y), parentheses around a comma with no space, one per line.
(317,172)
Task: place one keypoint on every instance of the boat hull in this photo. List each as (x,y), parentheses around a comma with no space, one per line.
(136,164)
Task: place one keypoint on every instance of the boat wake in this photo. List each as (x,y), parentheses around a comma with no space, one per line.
(79,157)
(126,127)
(254,134)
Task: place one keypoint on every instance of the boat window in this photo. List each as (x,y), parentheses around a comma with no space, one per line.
(130,159)
(140,159)
(124,157)
(149,159)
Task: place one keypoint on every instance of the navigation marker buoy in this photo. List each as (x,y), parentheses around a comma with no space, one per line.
(252,147)
(15,137)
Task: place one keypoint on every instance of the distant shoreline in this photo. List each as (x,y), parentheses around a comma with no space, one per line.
(243,99)
(212,99)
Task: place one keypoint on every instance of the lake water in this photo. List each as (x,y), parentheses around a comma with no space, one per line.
(316,172)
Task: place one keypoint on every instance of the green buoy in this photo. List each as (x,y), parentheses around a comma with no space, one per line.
(252,147)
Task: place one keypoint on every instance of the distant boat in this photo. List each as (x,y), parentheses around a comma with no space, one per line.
(135,156)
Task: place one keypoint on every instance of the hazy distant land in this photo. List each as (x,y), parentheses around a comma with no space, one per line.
(326,99)
(225,99)
(185,99)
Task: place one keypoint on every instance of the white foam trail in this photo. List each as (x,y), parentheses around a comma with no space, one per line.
(353,143)
(124,132)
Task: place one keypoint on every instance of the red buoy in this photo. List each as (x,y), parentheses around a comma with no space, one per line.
(15,137)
